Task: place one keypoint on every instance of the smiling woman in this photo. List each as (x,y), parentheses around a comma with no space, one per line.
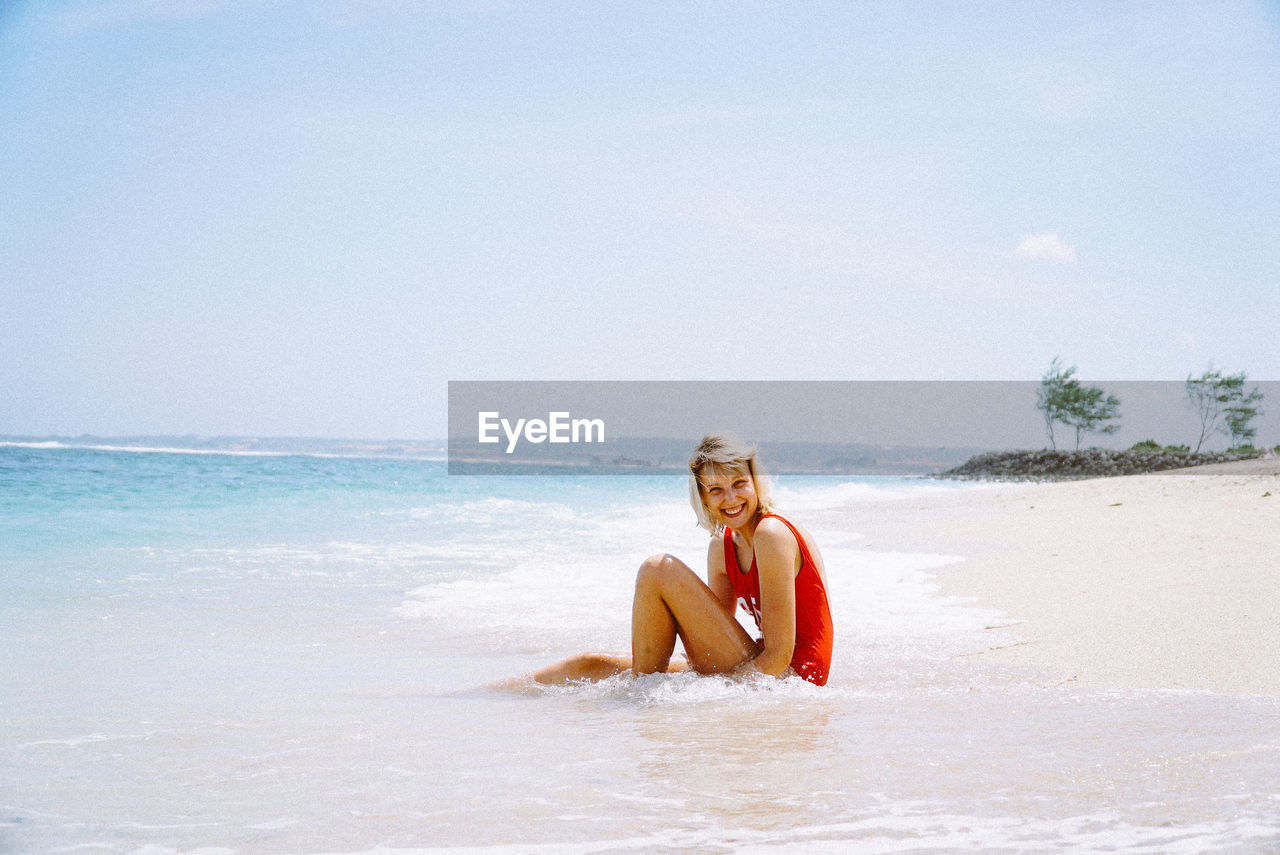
(783,587)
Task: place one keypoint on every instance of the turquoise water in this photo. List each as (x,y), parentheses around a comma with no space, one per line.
(287,653)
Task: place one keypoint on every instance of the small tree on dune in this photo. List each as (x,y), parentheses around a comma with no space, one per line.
(1237,419)
(1086,409)
(1089,411)
(1051,398)
(1222,396)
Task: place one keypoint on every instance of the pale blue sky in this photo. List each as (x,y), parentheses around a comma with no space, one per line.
(303,218)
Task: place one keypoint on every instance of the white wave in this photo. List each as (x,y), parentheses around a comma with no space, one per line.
(86,739)
(567,583)
(906,827)
(494,510)
(690,689)
(54,445)
(796,496)
(147,449)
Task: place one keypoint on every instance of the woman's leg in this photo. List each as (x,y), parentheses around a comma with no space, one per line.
(670,602)
(587,666)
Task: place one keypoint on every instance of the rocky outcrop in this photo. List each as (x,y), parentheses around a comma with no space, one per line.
(1075,465)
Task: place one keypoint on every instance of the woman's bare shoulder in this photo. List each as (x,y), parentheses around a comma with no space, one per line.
(775,531)
(715,553)
(773,527)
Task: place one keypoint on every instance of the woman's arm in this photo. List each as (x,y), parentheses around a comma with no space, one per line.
(718,576)
(778,562)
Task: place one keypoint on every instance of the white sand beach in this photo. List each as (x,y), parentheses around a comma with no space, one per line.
(1168,580)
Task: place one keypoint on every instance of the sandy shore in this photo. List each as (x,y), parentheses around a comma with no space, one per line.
(1168,580)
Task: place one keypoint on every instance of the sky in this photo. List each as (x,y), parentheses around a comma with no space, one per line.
(274,218)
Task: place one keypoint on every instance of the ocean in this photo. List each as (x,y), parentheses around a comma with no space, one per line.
(232,652)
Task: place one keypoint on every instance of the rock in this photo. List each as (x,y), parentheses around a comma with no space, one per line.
(1075,465)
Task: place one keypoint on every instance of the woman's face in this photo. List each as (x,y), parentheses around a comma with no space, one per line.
(730,496)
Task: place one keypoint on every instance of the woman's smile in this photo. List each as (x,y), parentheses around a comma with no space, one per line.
(730,495)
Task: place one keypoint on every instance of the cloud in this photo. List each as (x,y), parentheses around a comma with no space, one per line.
(1046,247)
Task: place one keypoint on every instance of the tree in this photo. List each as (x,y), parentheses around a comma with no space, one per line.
(1238,418)
(1089,409)
(1222,396)
(1086,409)
(1052,396)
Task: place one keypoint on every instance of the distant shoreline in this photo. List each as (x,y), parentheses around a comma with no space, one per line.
(657,456)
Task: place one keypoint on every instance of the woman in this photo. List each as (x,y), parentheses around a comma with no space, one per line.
(755,557)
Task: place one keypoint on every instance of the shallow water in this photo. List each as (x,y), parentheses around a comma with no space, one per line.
(249,654)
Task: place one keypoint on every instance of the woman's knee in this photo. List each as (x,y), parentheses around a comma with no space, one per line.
(660,569)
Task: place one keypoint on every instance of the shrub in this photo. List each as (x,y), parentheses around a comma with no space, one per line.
(1153,447)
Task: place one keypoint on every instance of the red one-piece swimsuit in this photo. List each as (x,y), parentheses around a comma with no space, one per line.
(812,656)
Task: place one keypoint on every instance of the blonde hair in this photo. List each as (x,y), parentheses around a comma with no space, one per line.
(725,452)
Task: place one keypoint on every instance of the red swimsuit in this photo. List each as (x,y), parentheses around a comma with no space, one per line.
(812,656)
